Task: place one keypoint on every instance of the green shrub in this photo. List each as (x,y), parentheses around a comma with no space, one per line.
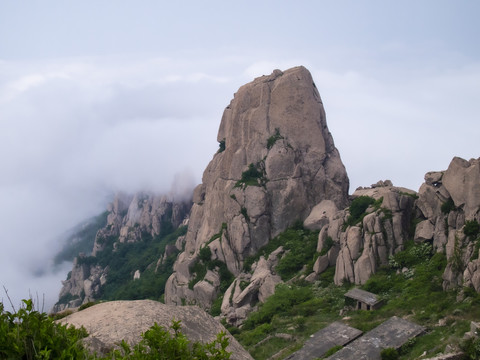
(412,255)
(280,303)
(471,347)
(471,228)
(87,305)
(447,206)
(200,270)
(29,334)
(158,343)
(244,212)
(357,209)
(205,254)
(389,354)
(273,139)
(252,176)
(327,245)
(216,308)
(301,244)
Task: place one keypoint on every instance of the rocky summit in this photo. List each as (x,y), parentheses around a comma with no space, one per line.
(276,161)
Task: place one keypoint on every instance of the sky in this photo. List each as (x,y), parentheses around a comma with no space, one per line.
(105,96)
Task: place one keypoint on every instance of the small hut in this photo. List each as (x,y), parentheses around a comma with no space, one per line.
(363,300)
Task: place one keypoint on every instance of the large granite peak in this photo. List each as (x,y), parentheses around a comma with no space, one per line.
(276,161)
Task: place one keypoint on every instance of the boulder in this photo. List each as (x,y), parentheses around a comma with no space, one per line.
(320,215)
(111,322)
(461,180)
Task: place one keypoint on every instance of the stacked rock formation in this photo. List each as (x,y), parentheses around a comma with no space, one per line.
(358,250)
(448,201)
(446,211)
(276,161)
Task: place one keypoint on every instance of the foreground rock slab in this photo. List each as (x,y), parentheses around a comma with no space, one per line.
(323,340)
(111,322)
(393,333)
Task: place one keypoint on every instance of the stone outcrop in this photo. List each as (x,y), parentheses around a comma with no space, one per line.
(447,201)
(250,289)
(276,161)
(131,218)
(358,250)
(111,322)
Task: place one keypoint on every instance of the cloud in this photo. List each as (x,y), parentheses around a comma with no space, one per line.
(402,128)
(73,131)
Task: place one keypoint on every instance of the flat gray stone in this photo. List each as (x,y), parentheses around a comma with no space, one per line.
(393,333)
(323,340)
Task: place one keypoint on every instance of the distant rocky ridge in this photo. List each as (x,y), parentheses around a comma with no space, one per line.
(277,165)
(131,219)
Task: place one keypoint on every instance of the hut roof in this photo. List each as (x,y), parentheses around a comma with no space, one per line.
(363,296)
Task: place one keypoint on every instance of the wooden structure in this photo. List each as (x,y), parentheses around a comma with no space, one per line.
(363,300)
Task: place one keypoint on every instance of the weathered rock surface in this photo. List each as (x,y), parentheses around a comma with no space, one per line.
(447,200)
(249,289)
(277,162)
(335,334)
(109,323)
(359,250)
(393,333)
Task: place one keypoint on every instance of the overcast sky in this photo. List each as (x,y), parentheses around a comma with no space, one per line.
(101,96)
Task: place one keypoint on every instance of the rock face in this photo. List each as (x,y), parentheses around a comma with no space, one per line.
(382,233)
(276,161)
(131,218)
(448,201)
(358,250)
(109,323)
(249,289)
(446,211)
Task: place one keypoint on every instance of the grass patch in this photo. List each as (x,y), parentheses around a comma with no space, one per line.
(253,176)
(300,244)
(274,138)
(357,209)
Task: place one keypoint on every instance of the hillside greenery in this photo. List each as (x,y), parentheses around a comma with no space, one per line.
(298,309)
(29,334)
(300,246)
(123,259)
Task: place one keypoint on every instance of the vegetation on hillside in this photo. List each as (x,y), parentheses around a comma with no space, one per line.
(300,245)
(123,259)
(411,286)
